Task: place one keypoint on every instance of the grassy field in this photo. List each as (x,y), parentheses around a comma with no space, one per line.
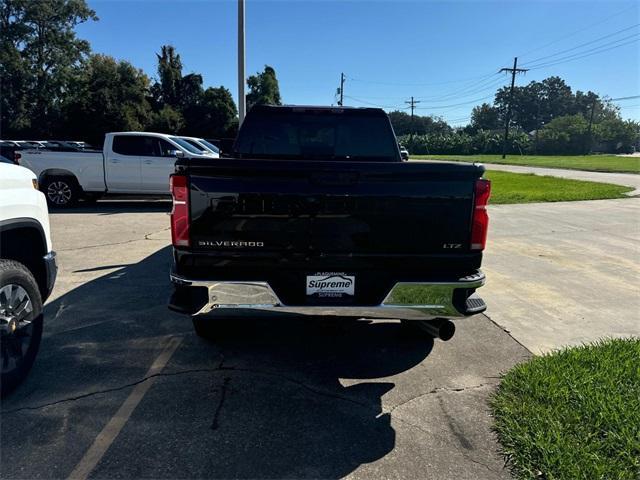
(573,414)
(507,187)
(596,163)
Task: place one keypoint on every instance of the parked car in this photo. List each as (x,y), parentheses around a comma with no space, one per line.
(27,271)
(24,144)
(8,148)
(130,163)
(65,146)
(404,153)
(204,146)
(316,210)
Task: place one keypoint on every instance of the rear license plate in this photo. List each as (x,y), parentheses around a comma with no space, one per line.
(330,285)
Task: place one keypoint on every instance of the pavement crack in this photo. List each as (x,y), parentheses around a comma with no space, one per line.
(439,390)
(300,383)
(427,432)
(507,332)
(223,394)
(219,368)
(478,462)
(108,390)
(147,235)
(109,244)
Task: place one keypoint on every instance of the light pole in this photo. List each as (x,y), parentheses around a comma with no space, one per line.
(241,74)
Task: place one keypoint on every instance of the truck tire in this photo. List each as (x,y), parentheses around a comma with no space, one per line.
(215,328)
(61,191)
(202,328)
(20,323)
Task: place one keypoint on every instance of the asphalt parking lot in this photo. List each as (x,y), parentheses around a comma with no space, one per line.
(122,388)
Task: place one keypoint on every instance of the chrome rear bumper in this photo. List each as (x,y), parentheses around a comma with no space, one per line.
(427,299)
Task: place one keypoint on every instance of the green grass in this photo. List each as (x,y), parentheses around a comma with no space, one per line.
(507,187)
(596,163)
(573,414)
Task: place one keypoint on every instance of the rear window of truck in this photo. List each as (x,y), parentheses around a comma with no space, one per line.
(323,134)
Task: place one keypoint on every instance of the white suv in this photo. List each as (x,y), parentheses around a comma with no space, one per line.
(27,271)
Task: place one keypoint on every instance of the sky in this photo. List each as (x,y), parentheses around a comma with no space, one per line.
(446,54)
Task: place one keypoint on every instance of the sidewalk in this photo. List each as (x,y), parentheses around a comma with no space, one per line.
(564,273)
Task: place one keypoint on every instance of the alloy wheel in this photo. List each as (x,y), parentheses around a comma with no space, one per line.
(16,327)
(59,192)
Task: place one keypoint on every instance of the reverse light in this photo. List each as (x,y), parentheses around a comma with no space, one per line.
(480,222)
(179,211)
(16,158)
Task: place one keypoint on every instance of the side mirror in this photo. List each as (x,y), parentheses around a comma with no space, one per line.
(175,153)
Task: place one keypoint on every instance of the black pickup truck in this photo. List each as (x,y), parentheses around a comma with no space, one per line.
(314,211)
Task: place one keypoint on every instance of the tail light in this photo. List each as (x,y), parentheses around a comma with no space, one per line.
(180,211)
(480,223)
(16,158)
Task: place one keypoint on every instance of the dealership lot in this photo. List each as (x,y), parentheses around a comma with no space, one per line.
(273,398)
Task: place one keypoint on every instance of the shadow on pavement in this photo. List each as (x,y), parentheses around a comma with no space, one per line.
(284,397)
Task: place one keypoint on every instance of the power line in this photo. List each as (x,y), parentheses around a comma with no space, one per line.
(623,98)
(609,35)
(458,120)
(534,63)
(437,107)
(580,55)
(374,104)
(422,84)
(468,91)
(465,92)
(599,22)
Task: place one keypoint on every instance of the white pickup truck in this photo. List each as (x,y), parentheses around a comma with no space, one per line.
(131,163)
(27,272)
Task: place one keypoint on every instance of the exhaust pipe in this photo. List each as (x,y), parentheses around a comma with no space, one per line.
(440,328)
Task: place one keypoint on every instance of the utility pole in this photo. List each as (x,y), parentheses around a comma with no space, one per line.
(412,103)
(341,90)
(593,110)
(241,73)
(513,72)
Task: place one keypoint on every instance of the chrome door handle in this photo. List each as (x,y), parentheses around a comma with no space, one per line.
(115,160)
(148,162)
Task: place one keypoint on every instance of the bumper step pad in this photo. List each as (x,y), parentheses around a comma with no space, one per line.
(475,304)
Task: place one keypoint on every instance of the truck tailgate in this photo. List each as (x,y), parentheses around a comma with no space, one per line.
(325,208)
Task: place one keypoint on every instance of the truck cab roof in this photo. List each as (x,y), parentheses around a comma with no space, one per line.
(318,108)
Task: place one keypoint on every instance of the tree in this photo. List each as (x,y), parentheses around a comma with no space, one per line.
(485,117)
(263,88)
(39,50)
(167,120)
(617,135)
(214,115)
(14,72)
(170,74)
(538,103)
(106,96)
(182,105)
(566,134)
(402,124)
